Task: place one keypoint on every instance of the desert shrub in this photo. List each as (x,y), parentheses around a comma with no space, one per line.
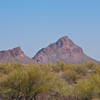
(90,65)
(83,90)
(95,80)
(9,67)
(30,82)
(97,69)
(88,88)
(61,66)
(81,70)
(57,81)
(70,76)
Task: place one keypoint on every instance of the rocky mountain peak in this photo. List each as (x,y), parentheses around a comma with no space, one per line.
(65,42)
(16,51)
(64,49)
(15,55)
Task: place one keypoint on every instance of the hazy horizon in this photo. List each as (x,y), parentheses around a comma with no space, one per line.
(33,25)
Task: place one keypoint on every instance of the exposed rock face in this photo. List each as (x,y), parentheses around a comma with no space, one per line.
(62,50)
(15,55)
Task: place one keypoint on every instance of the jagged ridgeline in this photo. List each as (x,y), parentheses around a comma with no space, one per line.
(64,50)
(15,55)
(57,72)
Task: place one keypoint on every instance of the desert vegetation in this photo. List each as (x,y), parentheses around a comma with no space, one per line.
(58,81)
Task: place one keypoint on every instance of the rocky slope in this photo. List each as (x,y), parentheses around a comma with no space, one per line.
(15,55)
(63,50)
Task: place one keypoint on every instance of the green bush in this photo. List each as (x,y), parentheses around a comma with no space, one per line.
(30,82)
(57,81)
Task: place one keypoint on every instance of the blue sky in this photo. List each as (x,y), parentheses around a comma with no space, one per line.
(33,24)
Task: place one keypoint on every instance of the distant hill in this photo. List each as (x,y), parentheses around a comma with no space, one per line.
(63,50)
(15,55)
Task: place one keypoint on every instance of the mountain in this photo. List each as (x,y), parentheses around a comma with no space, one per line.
(15,55)
(63,50)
